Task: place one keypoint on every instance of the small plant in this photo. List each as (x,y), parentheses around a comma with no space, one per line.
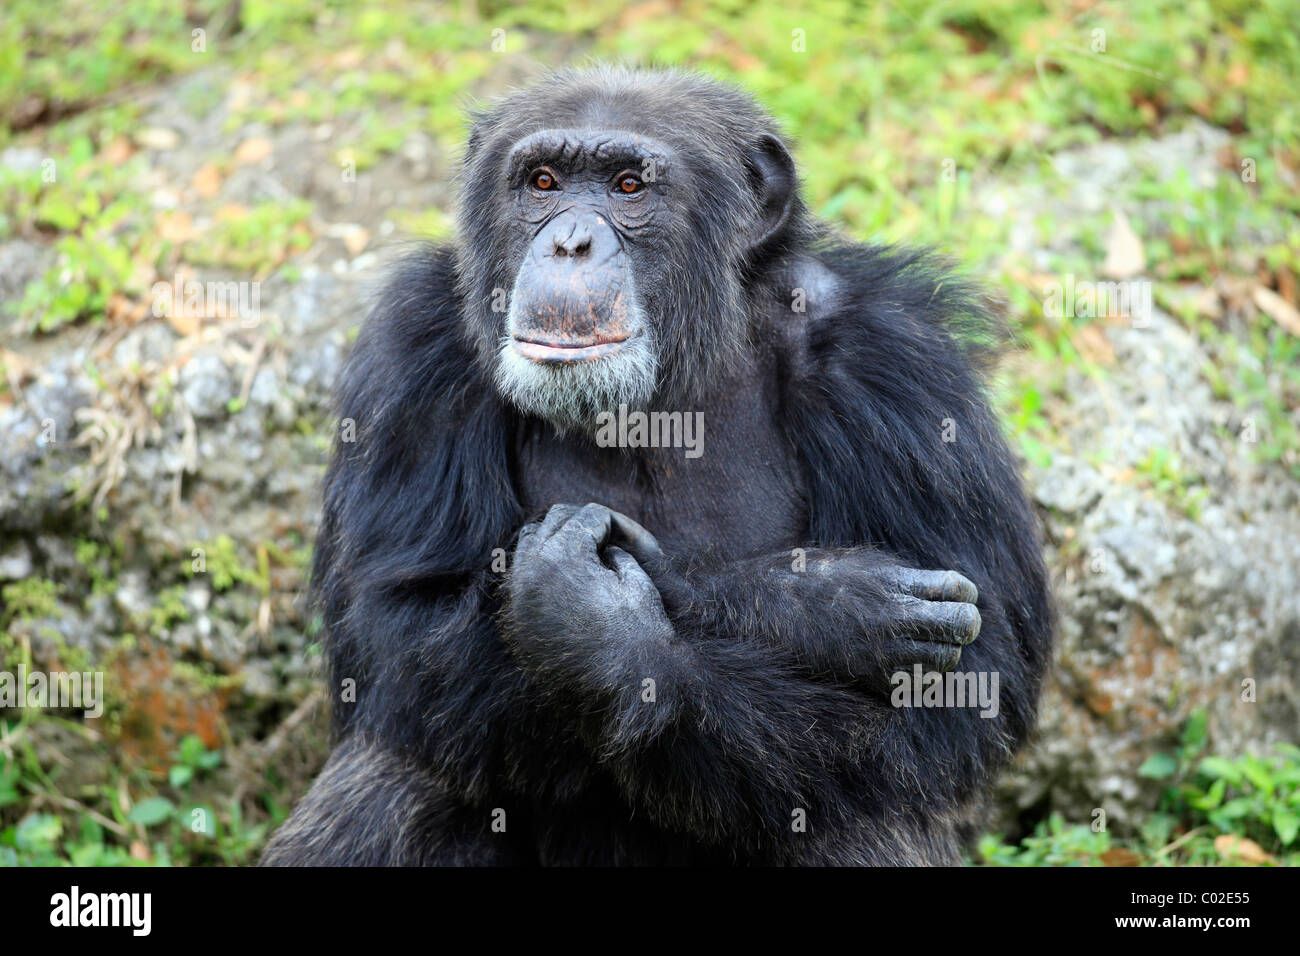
(1026,423)
(1053,843)
(1213,810)
(192,759)
(168,611)
(221,560)
(29,599)
(1164,471)
(1254,797)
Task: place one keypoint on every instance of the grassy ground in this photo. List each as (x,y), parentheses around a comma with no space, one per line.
(896,111)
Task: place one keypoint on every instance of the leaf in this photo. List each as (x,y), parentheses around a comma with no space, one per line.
(8,782)
(1235,809)
(1125,257)
(1093,345)
(1287,825)
(253,150)
(1118,856)
(1258,774)
(1194,731)
(1278,309)
(58,211)
(1210,800)
(180,775)
(117,152)
(175,226)
(1229,846)
(157,137)
(191,748)
(37,832)
(355,240)
(207,181)
(1221,768)
(1158,767)
(152,811)
(86,854)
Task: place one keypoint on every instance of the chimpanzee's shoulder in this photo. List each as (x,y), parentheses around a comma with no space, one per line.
(412,349)
(418,295)
(845,307)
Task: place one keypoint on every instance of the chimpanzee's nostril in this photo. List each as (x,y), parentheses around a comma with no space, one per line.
(576,242)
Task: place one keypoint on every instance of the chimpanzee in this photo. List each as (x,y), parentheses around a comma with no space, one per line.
(559,632)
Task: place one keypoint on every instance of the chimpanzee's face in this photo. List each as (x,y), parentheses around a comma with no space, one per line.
(610,231)
(588,212)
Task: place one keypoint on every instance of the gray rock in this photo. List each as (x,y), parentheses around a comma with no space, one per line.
(21,262)
(16,562)
(207,385)
(1167,598)
(1163,609)
(22,159)
(134,594)
(149,343)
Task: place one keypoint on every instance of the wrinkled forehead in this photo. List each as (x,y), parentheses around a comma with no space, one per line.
(576,150)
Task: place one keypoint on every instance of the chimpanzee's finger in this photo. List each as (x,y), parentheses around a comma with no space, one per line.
(624,564)
(590,522)
(554,520)
(949,622)
(929,654)
(636,539)
(932,585)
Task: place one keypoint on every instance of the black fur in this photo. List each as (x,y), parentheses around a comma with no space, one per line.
(825,434)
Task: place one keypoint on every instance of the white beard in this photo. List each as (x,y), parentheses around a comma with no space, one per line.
(571,396)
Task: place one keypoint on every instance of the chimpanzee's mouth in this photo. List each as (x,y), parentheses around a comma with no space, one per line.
(567,352)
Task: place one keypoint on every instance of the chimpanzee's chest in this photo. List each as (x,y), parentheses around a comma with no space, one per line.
(722,478)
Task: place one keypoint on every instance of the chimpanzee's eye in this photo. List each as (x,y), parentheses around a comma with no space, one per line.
(630,183)
(543,180)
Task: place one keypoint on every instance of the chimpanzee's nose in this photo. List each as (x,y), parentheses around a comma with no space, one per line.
(571,238)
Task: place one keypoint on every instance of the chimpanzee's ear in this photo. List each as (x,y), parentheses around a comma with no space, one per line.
(772,172)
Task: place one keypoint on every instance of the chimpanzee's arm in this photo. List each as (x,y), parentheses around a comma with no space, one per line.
(856,614)
(706,729)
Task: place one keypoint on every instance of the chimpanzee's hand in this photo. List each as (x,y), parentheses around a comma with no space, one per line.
(853,612)
(929,616)
(573,590)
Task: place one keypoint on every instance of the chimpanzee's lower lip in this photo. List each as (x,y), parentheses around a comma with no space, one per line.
(549,354)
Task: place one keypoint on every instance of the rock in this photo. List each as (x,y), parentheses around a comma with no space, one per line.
(1174,552)
(198,597)
(22,159)
(1163,609)
(16,562)
(206,385)
(1169,597)
(259,680)
(134,594)
(147,343)
(37,457)
(157,137)
(21,262)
